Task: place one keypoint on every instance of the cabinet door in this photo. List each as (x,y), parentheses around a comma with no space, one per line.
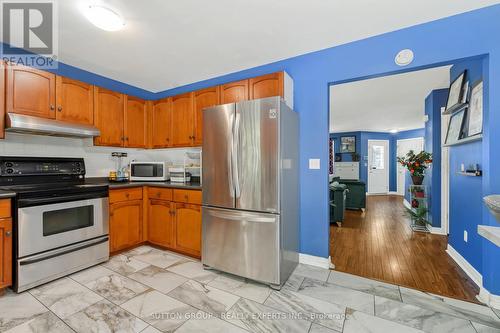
(160,223)
(136,114)
(108,117)
(182,120)
(188,228)
(202,99)
(31,92)
(2,99)
(266,86)
(125,224)
(75,101)
(5,253)
(161,123)
(234,92)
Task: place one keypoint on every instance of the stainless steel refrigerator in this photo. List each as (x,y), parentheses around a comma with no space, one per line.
(251,189)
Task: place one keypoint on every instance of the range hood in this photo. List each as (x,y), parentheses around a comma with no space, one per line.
(20,123)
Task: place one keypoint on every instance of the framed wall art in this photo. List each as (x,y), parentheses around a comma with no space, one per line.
(348,144)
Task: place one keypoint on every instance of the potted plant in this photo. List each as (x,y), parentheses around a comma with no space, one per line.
(355,157)
(418,192)
(416,164)
(418,215)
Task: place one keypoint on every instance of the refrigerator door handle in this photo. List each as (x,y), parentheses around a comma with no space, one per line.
(241,216)
(235,153)
(230,158)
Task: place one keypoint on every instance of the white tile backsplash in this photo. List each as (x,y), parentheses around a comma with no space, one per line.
(98,160)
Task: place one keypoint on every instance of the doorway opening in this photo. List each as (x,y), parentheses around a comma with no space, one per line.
(373,198)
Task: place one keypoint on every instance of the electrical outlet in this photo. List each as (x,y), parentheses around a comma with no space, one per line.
(466,236)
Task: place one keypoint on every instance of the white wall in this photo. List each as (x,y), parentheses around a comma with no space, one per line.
(98,160)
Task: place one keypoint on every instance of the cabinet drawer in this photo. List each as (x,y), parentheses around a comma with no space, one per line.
(5,210)
(160,193)
(187,196)
(125,194)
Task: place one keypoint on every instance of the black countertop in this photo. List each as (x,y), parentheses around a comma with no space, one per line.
(168,184)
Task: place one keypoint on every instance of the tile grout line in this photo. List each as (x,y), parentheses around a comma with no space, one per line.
(49,310)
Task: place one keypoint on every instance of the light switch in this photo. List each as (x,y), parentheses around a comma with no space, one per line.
(314,163)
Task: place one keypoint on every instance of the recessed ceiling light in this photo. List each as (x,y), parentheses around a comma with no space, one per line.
(104,18)
(394,131)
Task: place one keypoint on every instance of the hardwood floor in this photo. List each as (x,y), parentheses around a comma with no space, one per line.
(379,244)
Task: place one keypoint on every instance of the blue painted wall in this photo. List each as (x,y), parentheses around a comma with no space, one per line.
(432,144)
(466,192)
(346,157)
(473,34)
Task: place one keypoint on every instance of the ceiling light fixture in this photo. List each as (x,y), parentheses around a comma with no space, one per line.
(404,57)
(394,131)
(104,18)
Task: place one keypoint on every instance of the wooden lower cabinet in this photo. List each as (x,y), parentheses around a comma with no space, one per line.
(160,223)
(5,244)
(125,224)
(188,228)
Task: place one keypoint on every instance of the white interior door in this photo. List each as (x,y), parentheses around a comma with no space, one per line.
(403,147)
(378,166)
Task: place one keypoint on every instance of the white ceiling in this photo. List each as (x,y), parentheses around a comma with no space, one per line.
(166,44)
(386,103)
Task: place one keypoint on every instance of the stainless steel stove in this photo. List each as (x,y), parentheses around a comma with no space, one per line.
(60,223)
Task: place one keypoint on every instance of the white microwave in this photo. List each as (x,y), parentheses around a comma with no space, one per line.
(148,171)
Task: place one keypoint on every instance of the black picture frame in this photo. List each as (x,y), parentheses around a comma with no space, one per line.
(347,144)
(456,93)
(455,130)
(475,112)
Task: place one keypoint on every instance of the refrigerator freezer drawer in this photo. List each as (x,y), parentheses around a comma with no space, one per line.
(242,243)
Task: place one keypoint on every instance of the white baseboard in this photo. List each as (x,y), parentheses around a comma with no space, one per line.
(394,193)
(307,259)
(464,264)
(438,231)
(406,203)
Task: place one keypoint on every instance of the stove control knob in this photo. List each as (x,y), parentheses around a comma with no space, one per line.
(9,170)
(9,164)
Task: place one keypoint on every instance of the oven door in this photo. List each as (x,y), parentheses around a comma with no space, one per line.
(50,226)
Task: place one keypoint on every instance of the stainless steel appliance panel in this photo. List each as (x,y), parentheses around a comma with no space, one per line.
(256,155)
(218,186)
(242,243)
(42,228)
(36,270)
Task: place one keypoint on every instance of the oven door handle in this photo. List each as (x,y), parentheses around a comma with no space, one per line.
(59,199)
(58,253)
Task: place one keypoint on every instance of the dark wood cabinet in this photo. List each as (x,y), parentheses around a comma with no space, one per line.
(31,92)
(108,117)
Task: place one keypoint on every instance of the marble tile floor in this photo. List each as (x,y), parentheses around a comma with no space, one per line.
(148,290)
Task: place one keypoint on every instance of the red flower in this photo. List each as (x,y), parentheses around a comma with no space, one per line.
(412,171)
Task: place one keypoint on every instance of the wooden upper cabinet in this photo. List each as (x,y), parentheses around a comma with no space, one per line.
(188,228)
(266,86)
(31,92)
(136,122)
(75,101)
(161,123)
(203,99)
(182,120)
(108,117)
(2,99)
(160,223)
(234,92)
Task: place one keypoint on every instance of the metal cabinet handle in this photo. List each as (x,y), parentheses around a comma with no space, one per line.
(52,107)
(8,233)
(59,108)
